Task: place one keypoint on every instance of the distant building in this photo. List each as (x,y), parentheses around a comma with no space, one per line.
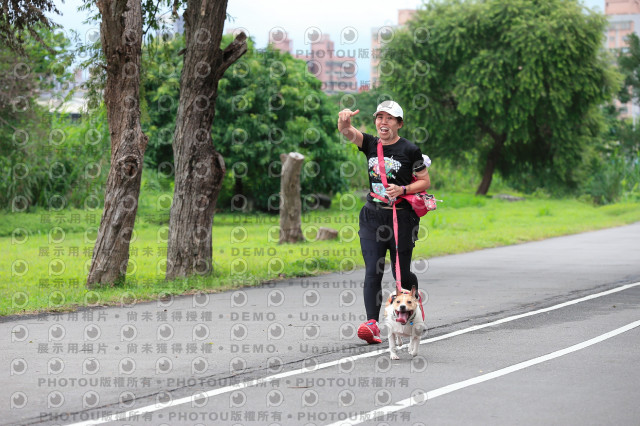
(76,106)
(624,19)
(279,39)
(335,69)
(381,36)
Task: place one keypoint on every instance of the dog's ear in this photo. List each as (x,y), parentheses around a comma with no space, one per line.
(414,292)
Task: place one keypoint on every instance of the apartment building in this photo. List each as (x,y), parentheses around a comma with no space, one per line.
(336,69)
(379,37)
(624,19)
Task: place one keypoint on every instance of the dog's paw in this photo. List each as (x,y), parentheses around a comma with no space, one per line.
(394,356)
(413,353)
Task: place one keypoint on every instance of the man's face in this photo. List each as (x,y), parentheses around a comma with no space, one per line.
(387,126)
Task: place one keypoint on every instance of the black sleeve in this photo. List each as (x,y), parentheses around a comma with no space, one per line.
(417,161)
(367,140)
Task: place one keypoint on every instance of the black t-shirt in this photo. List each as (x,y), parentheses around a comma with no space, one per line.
(402,159)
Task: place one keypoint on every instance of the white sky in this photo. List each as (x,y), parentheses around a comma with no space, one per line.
(259,17)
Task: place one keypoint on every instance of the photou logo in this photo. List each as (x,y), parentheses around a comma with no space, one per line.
(237,365)
(92,332)
(164,365)
(55,366)
(164,332)
(277,35)
(90,366)
(55,399)
(126,399)
(310,398)
(199,365)
(200,332)
(90,399)
(127,366)
(239,332)
(312,35)
(275,398)
(382,397)
(18,400)
(348,35)
(275,364)
(19,333)
(237,399)
(18,366)
(275,331)
(56,333)
(239,299)
(346,398)
(199,399)
(128,332)
(275,297)
(311,331)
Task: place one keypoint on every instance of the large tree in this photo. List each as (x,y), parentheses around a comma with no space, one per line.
(268,104)
(516,81)
(22,17)
(199,167)
(121,40)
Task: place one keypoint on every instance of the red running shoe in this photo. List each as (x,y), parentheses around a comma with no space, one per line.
(369,332)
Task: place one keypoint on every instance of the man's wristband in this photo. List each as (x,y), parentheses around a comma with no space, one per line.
(404,190)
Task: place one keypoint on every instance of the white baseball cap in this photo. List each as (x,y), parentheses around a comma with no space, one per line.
(390,107)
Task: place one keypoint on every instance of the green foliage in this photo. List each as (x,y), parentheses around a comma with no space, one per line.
(614,172)
(529,73)
(267,105)
(159,97)
(45,159)
(629,65)
(20,21)
(613,178)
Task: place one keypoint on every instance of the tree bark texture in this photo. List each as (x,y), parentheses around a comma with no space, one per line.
(199,167)
(121,37)
(290,202)
(492,160)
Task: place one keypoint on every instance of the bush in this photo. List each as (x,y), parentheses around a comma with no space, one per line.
(59,164)
(614,178)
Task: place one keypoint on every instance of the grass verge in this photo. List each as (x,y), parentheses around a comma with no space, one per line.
(47,254)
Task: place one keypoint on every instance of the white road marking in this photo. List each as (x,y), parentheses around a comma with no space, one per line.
(214,392)
(422,398)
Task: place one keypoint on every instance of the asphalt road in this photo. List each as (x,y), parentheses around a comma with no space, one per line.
(539,333)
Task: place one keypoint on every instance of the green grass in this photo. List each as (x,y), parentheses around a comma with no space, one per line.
(47,254)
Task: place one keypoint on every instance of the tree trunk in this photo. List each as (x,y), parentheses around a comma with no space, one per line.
(290,202)
(492,160)
(199,168)
(121,37)
(326,234)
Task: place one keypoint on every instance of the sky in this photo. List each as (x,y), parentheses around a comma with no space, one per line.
(334,17)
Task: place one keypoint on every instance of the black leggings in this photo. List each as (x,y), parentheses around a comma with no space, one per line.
(374,253)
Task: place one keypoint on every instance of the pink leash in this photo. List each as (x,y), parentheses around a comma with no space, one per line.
(383,176)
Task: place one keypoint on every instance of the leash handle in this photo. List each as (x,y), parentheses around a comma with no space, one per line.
(383,177)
